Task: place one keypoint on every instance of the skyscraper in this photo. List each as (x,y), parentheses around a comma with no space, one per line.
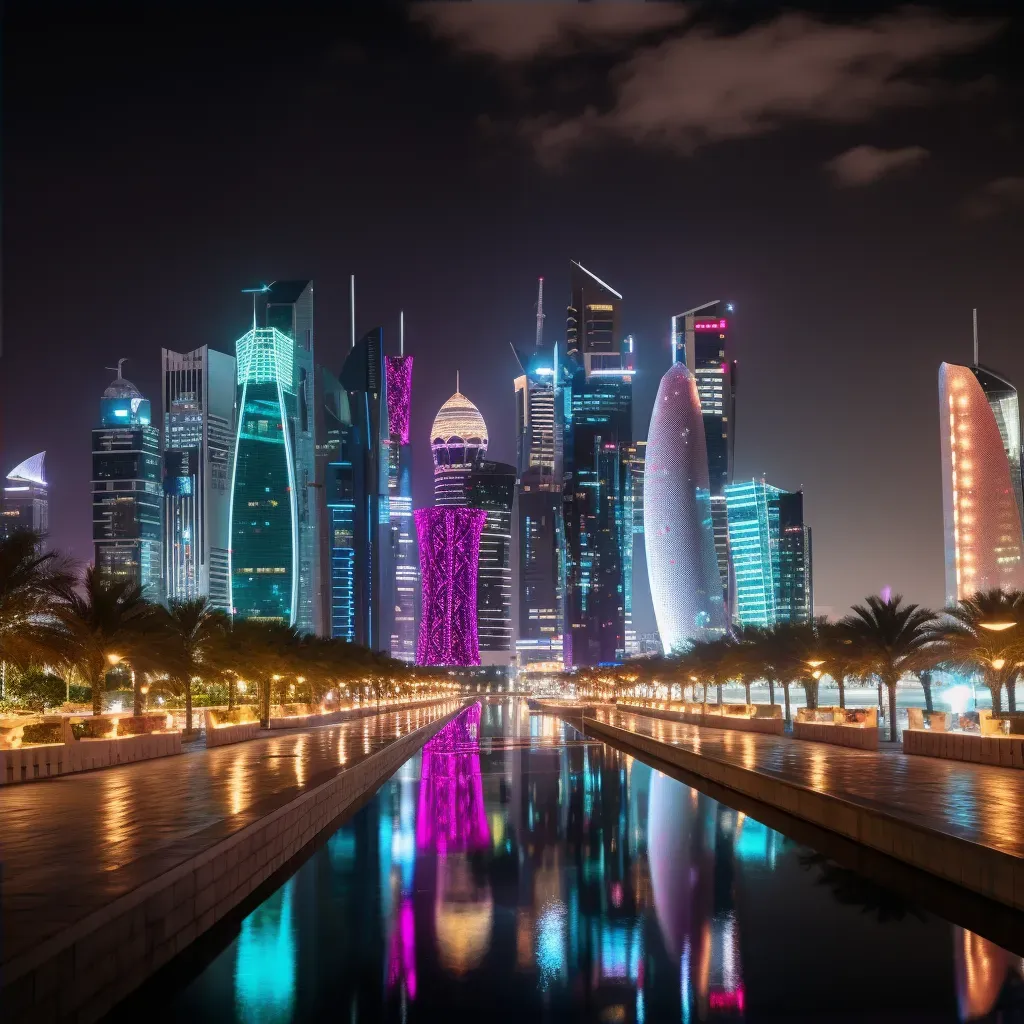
(449,547)
(26,503)
(398,370)
(491,486)
(458,440)
(199,435)
(700,340)
(126,489)
(265,579)
(364,377)
(681,561)
(796,579)
(539,504)
(772,571)
(979,428)
(596,508)
(287,306)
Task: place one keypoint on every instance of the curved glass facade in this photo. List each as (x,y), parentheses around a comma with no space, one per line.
(981,498)
(264,523)
(681,562)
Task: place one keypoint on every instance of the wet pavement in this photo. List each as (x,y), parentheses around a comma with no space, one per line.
(515,871)
(980,803)
(75,843)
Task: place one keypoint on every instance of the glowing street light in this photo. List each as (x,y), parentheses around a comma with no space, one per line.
(997,627)
(114,659)
(998,663)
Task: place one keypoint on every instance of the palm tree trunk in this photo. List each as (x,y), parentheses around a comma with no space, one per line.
(97,693)
(810,692)
(1011,693)
(785,692)
(188,706)
(841,683)
(746,690)
(890,685)
(881,703)
(719,688)
(137,691)
(995,687)
(926,685)
(771,691)
(231,692)
(264,685)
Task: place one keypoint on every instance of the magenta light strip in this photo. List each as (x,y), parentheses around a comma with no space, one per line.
(398,375)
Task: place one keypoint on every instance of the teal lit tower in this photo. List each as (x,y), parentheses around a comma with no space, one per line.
(264,577)
(126,489)
(770,547)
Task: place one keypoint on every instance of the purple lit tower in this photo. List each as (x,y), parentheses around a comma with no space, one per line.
(681,564)
(449,542)
(398,373)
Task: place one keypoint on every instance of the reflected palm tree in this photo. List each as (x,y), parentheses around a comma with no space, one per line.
(853,890)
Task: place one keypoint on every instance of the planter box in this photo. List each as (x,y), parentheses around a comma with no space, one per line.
(767,721)
(1006,751)
(858,737)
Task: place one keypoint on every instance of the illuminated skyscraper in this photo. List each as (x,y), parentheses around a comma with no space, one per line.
(681,562)
(491,486)
(265,578)
(458,440)
(700,339)
(399,393)
(364,377)
(287,306)
(539,504)
(597,509)
(770,548)
(26,504)
(126,489)
(199,435)
(449,547)
(981,487)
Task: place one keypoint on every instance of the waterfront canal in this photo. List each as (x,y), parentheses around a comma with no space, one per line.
(515,871)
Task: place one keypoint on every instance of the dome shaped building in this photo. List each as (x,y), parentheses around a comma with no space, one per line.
(458,441)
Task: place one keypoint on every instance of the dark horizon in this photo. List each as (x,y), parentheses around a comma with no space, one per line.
(157,165)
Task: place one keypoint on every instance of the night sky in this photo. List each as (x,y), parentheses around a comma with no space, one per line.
(853,182)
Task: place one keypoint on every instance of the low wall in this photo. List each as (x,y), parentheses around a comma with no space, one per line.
(981,869)
(1007,751)
(27,763)
(85,970)
(222,735)
(840,735)
(770,726)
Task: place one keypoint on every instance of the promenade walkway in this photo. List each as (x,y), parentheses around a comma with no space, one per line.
(74,844)
(942,816)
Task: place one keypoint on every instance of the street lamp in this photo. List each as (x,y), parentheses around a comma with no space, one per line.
(997,627)
(114,659)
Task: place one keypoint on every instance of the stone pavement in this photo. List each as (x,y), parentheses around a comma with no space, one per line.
(964,822)
(72,845)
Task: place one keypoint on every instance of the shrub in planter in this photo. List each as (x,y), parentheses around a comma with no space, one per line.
(143,725)
(43,732)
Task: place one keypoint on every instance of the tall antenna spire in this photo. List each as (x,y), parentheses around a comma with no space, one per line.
(401,332)
(352,307)
(975,318)
(540,311)
(457,391)
(672,340)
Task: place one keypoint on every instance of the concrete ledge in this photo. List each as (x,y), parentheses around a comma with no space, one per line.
(221,736)
(1006,751)
(838,735)
(83,971)
(769,726)
(981,869)
(43,762)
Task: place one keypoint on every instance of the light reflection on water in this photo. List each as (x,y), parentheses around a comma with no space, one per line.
(539,876)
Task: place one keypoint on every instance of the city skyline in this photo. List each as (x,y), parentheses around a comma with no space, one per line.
(842,290)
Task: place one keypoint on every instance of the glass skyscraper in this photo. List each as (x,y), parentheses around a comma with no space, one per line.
(199,436)
(770,548)
(597,509)
(26,504)
(126,489)
(700,340)
(539,504)
(265,578)
(979,429)
(287,306)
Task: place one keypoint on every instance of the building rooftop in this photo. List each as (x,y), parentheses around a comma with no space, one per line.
(31,471)
(459,419)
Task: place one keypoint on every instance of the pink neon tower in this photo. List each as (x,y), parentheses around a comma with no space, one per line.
(449,543)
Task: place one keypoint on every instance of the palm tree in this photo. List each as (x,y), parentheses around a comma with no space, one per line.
(189,644)
(984,633)
(892,637)
(107,621)
(264,652)
(841,661)
(31,583)
(745,659)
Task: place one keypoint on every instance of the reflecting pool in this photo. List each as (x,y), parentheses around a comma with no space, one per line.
(514,871)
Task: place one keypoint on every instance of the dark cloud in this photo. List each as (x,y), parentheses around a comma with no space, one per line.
(864,165)
(995,198)
(692,85)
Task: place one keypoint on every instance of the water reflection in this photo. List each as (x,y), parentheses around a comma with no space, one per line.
(513,870)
